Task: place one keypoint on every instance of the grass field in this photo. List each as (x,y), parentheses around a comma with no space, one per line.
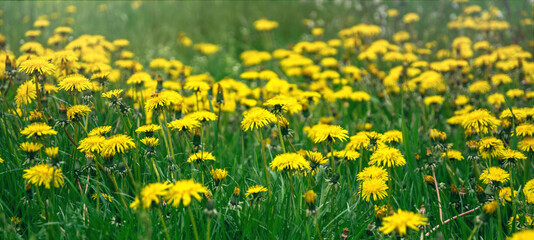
(267,120)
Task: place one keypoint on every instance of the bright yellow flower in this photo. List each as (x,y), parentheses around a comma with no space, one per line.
(290,162)
(151,193)
(401,220)
(255,190)
(256,118)
(77,112)
(44,174)
(375,188)
(494,174)
(75,82)
(387,157)
(183,190)
(37,66)
(201,156)
(38,129)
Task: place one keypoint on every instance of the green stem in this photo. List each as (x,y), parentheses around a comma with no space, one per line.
(280,135)
(163,224)
(265,164)
(193,222)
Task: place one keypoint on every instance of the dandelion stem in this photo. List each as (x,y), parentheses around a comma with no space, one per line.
(437,193)
(265,163)
(280,135)
(193,222)
(163,224)
(450,219)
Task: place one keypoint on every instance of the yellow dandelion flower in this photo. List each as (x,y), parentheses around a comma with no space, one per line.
(197,86)
(99,130)
(494,174)
(505,194)
(350,155)
(44,174)
(26,92)
(74,83)
(289,161)
(77,112)
(526,144)
(401,220)
(490,147)
(323,132)
(373,172)
(37,66)
(375,188)
(112,94)
(387,157)
(202,116)
(438,100)
(201,156)
(480,120)
(529,191)
(263,25)
(310,197)
(316,157)
(93,144)
(525,234)
(184,124)
(218,174)
(391,136)
(30,147)
(453,155)
(525,130)
(254,190)
(38,129)
(117,144)
(149,128)
(51,152)
(183,190)
(150,141)
(490,207)
(151,193)
(256,118)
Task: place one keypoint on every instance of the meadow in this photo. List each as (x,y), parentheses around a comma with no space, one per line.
(267,120)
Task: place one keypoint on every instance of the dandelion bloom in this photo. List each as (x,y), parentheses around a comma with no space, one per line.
(490,147)
(26,92)
(375,188)
(51,152)
(218,174)
(316,157)
(117,144)
(526,144)
(77,111)
(290,162)
(202,116)
(494,174)
(30,147)
(255,190)
(490,207)
(74,83)
(438,100)
(401,220)
(387,157)
(391,136)
(37,66)
(331,133)
(512,155)
(453,155)
(99,130)
(149,128)
(92,144)
(350,155)
(150,141)
(525,130)
(256,118)
(310,197)
(44,174)
(525,234)
(183,190)
(151,193)
(505,194)
(373,172)
(112,94)
(201,156)
(481,121)
(184,124)
(38,129)
(529,191)
(263,25)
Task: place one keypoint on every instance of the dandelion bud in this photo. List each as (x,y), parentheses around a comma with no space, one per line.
(159,87)
(210,210)
(489,208)
(429,180)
